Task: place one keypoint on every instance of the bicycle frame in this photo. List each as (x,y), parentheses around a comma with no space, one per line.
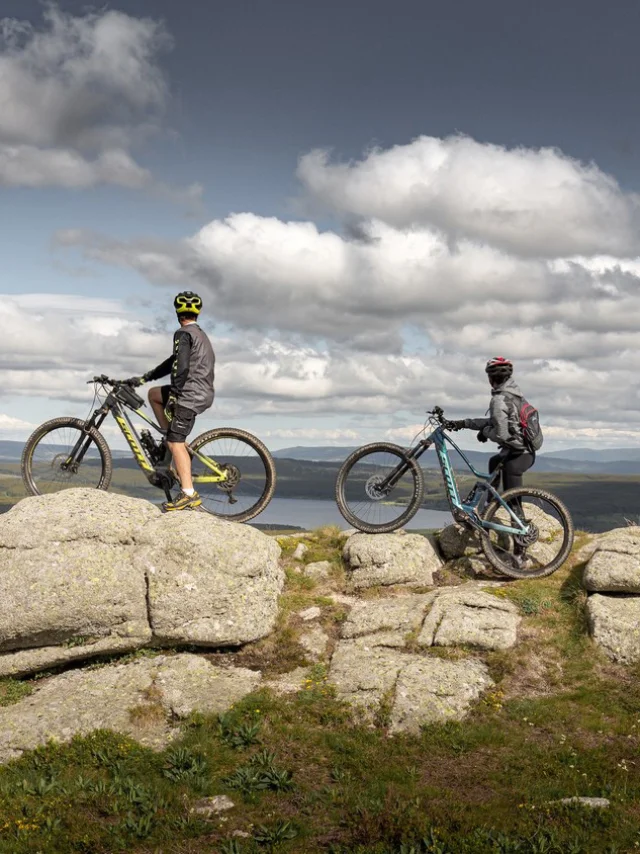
(119,411)
(481,492)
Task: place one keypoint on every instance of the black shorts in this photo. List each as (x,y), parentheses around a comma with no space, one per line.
(183,419)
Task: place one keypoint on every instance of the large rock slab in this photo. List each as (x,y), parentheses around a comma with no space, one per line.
(468,617)
(384,559)
(447,616)
(72,515)
(614,566)
(387,621)
(141,699)
(210,582)
(432,690)
(85,573)
(417,689)
(68,586)
(456,541)
(364,676)
(614,623)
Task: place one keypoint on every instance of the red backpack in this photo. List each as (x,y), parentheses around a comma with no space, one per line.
(529,420)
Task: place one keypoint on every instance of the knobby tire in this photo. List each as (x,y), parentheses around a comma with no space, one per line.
(57,424)
(412,507)
(568,534)
(263,453)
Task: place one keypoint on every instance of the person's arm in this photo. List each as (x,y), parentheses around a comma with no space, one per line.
(180,363)
(498,429)
(163,370)
(477,423)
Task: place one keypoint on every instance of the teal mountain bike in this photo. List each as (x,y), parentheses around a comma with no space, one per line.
(524,532)
(233,471)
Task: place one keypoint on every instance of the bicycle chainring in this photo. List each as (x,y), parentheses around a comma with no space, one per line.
(529,538)
(233,477)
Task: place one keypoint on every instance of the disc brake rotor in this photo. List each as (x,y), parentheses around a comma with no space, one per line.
(373,487)
(57,462)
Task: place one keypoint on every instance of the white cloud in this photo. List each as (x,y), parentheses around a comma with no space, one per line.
(315,435)
(14,428)
(76,96)
(532,202)
(380,323)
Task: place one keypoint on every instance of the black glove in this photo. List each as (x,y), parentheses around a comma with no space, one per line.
(134,381)
(456,425)
(481,437)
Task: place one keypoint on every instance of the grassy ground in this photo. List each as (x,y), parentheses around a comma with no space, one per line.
(562,721)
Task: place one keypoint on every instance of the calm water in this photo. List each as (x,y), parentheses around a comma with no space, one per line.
(311,513)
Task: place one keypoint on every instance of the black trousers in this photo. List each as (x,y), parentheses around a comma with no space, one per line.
(515,464)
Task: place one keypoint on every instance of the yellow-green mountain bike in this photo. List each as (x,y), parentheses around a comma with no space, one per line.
(233,471)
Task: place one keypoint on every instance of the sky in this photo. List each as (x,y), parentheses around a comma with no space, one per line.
(371,198)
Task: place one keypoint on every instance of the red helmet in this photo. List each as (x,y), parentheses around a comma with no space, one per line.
(499,368)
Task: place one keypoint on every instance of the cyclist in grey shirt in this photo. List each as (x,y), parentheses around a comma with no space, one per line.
(192,368)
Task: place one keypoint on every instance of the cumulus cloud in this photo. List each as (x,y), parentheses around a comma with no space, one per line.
(261,272)
(71,338)
(537,203)
(14,428)
(388,318)
(76,96)
(314,434)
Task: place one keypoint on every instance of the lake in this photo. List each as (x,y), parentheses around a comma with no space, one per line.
(312,513)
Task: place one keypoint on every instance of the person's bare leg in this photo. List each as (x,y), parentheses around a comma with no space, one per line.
(182,462)
(155,399)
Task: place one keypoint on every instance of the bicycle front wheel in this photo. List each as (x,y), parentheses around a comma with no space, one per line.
(251,474)
(47,464)
(364,495)
(547,545)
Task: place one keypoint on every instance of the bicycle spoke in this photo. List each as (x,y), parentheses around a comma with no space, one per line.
(249,478)
(545,545)
(366,498)
(50,454)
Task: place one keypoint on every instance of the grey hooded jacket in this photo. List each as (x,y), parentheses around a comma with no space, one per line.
(503,425)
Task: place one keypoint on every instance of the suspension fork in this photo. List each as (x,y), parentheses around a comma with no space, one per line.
(84,442)
(412,454)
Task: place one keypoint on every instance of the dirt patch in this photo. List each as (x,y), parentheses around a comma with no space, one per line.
(534,675)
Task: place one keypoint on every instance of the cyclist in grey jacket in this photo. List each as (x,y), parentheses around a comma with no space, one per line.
(192,368)
(503,424)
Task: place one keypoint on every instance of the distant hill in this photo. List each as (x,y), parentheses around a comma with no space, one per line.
(11,451)
(576,460)
(601,455)
(620,461)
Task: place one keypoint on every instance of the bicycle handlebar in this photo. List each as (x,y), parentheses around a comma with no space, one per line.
(105,380)
(437,415)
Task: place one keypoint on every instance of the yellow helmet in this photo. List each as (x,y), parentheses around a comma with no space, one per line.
(187,303)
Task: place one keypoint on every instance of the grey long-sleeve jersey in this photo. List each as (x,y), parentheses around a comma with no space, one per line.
(192,368)
(503,425)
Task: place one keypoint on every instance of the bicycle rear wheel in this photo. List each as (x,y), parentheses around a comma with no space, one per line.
(544,549)
(251,474)
(364,500)
(44,459)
